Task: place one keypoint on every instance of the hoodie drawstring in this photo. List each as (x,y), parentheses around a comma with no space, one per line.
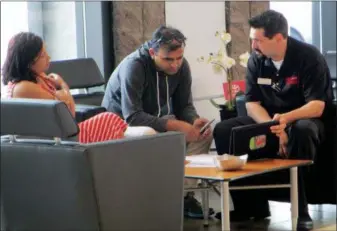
(167,97)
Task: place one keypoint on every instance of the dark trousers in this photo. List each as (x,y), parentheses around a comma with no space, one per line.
(304,138)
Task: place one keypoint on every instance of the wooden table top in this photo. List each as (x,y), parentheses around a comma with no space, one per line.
(252,168)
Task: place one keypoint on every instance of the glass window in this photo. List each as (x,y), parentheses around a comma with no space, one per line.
(14,19)
(300,21)
(56,22)
(59,29)
(70,29)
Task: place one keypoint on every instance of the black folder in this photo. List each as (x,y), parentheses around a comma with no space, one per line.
(241,136)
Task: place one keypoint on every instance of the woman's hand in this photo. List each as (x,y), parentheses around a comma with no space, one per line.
(65,96)
(58,81)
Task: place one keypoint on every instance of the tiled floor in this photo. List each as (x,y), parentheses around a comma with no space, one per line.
(324,216)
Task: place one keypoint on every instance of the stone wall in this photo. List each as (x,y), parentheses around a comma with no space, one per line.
(133,24)
(237,16)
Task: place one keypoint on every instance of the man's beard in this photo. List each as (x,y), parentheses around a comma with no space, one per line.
(171,72)
(259,52)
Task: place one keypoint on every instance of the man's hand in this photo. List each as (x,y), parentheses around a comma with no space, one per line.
(199,123)
(192,134)
(278,129)
(283,144)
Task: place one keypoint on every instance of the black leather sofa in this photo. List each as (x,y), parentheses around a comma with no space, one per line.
(61,185)
(82,74)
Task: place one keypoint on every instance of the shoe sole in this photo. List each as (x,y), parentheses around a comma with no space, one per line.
(198,216)
(195,216)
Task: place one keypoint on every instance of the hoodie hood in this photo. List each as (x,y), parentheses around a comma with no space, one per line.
(144,54)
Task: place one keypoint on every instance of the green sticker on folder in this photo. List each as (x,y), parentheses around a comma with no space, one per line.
(257,142)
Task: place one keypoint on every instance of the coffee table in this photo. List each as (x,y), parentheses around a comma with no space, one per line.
(252,168)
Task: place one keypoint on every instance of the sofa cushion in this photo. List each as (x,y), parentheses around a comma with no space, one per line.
(94,98)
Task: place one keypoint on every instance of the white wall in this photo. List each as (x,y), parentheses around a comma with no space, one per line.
(198,21)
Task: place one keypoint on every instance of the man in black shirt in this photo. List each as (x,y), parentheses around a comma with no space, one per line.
(289,81)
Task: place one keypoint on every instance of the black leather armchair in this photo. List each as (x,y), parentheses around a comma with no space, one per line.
(321,181)
(56,184)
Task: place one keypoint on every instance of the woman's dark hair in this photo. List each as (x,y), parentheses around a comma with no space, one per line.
(168,37)
(272,22)
(22,51)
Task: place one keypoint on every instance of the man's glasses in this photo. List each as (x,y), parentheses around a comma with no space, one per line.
(164,40)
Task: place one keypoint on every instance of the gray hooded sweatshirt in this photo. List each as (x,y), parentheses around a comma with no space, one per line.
(143,96)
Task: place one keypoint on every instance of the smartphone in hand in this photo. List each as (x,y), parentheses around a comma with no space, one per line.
(203,129)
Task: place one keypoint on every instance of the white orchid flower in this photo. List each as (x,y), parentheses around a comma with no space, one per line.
(244,59)
(228,62)
(225,37)
(221,62)
(217,66)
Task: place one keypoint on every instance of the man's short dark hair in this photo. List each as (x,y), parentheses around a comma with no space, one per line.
(168,38)
(272,22)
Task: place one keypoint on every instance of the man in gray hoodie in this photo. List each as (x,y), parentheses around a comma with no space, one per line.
(152,87)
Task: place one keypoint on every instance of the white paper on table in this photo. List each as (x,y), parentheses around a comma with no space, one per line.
(201,161)
(205,161)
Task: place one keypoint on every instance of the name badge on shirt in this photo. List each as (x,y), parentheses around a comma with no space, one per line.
(264,81)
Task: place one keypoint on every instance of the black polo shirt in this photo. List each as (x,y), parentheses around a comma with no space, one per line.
(304,76)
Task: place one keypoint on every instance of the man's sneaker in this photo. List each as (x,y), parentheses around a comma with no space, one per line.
(304,221)
(193,208)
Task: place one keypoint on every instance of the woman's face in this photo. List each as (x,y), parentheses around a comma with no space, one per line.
(41,62)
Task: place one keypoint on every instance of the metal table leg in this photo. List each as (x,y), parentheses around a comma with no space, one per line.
(294,197)
(205,203)
(225,225)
